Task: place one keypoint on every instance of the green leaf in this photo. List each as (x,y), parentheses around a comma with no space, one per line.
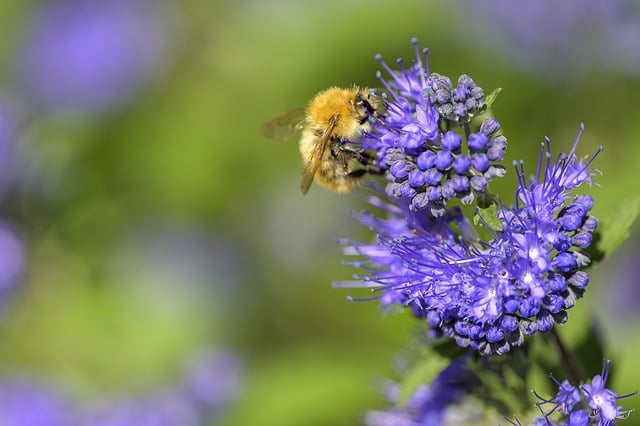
(447,348)
(503,379)
(490,99)
(488,217)
(613,229)
(422,373)
(590,352)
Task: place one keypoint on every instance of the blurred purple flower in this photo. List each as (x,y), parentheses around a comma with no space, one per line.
(179,267)
(622,297)
(559,36)
(27,168)
(430,404)
(213,378)
(12,260)
(91,55)
(211,381)
(8,135)
(162,410)
(29,404)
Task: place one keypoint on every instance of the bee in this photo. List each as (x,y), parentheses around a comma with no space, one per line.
(331,121)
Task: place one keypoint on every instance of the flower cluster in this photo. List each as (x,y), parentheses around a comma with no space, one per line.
(428,162)
(91,56)
(589,404)
(487,294)
(211,382)
(429,405)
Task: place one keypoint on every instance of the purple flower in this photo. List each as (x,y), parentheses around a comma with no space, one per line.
(429,404)
(602,400)
(485,294)
(23,403)
(8,135)
(7,131)
(91,55)
(621,298)
(213,379)
(589,404)
(166,409)
(211,382)
(429,166)
(570,37)
(12,260)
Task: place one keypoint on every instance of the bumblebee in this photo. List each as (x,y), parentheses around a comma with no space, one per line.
(331,119)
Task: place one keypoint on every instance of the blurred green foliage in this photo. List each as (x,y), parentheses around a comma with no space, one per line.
(187,154)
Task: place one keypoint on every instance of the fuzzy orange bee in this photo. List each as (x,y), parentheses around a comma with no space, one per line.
(332,119)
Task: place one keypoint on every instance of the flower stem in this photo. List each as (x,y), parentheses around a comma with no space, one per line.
(569,362)
(467,129)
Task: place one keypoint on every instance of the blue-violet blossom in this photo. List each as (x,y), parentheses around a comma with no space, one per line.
(427,162)
(588,404)
(84,56)
(429,405)
(486,294)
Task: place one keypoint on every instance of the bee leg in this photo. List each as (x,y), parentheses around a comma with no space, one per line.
(365,158)
(367,169)
(364,161)
(357,173)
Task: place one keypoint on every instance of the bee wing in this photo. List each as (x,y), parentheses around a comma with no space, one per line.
(283,126)
(314,161)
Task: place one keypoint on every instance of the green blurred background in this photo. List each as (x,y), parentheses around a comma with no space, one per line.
(168,223)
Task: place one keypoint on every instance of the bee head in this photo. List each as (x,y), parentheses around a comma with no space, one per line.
(363,107)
